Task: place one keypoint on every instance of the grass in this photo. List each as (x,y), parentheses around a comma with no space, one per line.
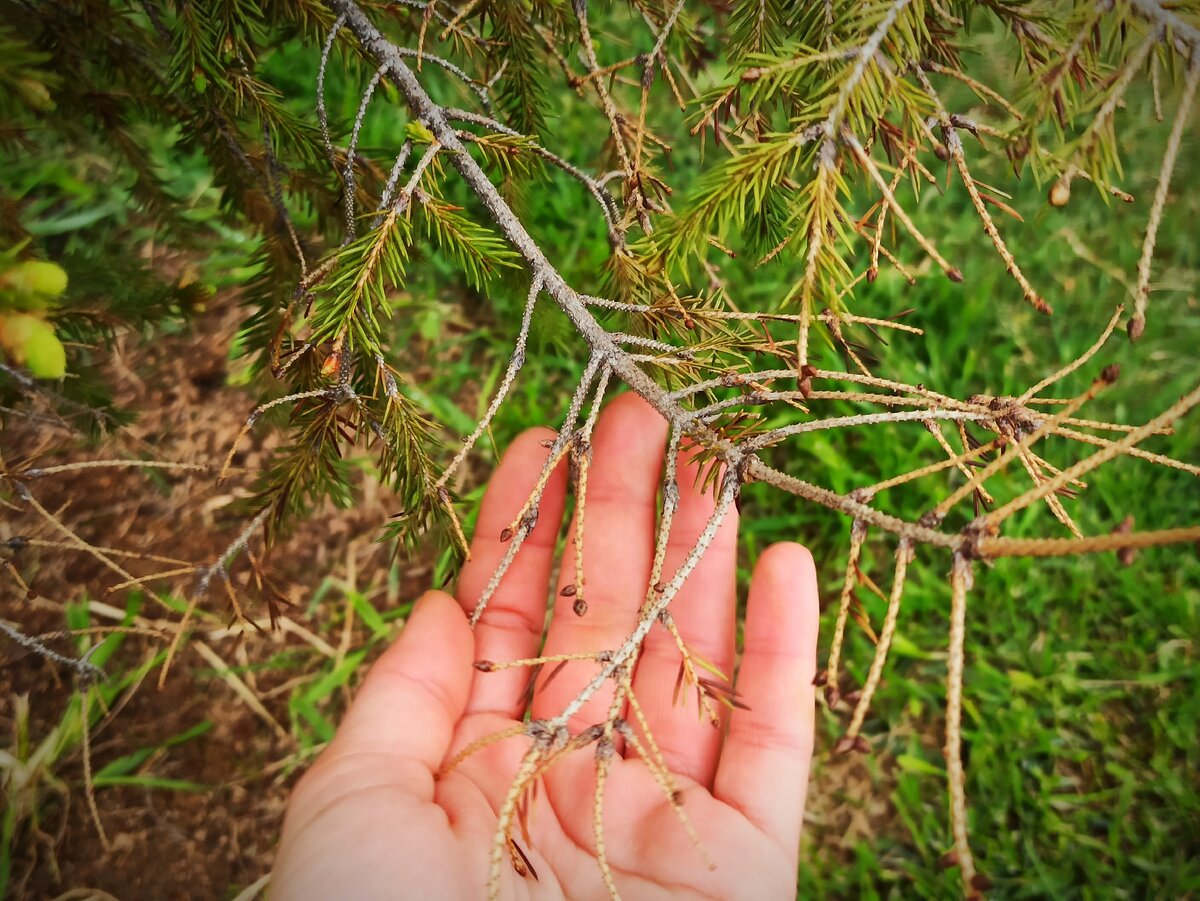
(1083,682)
(29,766)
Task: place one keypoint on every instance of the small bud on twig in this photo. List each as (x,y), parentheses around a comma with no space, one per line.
(806,376)
(844,745)
(1125,555)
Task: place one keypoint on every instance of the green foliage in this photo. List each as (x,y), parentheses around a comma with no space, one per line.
(111,95)
(521,94)
(311,469)
(408,463)
(354,302)
(477,249)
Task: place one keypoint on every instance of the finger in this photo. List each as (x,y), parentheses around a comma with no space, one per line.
(623,480)
(511,625)
(763,771)
(704,612)
(415,693)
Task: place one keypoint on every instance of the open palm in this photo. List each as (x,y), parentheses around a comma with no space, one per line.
(372,819)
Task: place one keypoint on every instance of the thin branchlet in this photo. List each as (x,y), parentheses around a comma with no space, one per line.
(1141,291)
(348,174)
(1170,415)
(510,375)
(526,518)
(961,578)
(84,669)
(954,147)
(829,677)
(904,555)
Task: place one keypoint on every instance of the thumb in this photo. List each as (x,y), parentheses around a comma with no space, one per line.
(415,693)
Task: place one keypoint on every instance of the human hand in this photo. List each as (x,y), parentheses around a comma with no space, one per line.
(373,819)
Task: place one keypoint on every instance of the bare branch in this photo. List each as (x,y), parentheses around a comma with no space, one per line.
(1141,293)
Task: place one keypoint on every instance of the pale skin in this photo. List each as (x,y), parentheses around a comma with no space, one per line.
(374,819)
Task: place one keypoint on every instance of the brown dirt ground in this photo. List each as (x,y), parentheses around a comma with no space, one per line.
(164,843)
